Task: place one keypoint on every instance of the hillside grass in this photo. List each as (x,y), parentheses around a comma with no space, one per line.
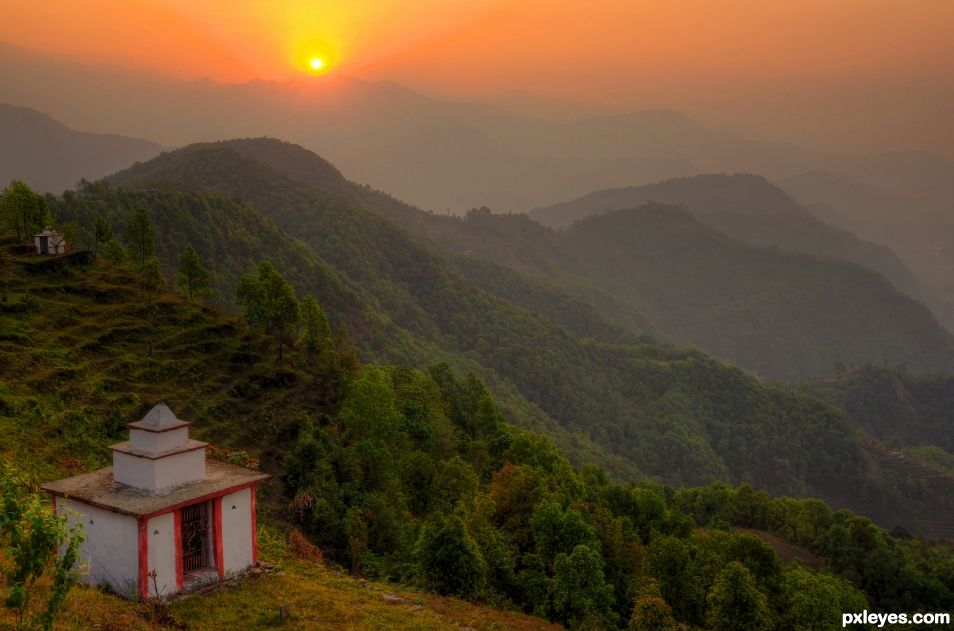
(83,351)
(317,597)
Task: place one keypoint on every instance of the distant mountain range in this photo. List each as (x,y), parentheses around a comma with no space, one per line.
(52,158)
(434,153)
(916,220)
(751,209)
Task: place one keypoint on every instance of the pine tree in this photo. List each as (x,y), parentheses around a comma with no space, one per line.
(191,278)
(315,328)
(141,236)
(268,302)
(102,234)
(151,274)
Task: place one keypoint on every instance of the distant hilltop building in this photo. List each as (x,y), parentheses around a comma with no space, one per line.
(163,508)
(50,242)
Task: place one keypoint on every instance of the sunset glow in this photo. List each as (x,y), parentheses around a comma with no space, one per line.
(702,57)
(487,44)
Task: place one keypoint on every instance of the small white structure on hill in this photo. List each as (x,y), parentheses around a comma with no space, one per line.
(163,508)
(50,242)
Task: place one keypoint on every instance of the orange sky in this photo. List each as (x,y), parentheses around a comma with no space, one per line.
(621,53)
(486,45)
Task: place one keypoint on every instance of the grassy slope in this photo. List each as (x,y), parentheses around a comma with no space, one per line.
(317,598)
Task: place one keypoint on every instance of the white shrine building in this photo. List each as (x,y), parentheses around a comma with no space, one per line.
(50,242)
(162,508)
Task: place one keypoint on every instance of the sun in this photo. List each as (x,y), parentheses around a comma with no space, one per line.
(317,64)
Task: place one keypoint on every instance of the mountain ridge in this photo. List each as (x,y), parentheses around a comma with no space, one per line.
(51,157)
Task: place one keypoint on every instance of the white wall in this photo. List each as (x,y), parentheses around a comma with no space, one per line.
(134,471)
(162,473)
(158,441)
(111,550)
(187,466)
(162,554)
(237,531)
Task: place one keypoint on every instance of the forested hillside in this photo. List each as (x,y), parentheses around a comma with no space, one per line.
(751,209)
(781,315)
(660,411)
(413,475)
(652,406)
(635,292)
(897,406)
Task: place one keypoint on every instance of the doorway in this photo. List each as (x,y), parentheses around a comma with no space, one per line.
(195,529)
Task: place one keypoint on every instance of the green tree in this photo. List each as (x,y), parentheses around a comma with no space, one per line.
(31,535)
(151,274)
(114,252)
(22,210)
(579,595)
(356,528)
(250,297)
(191,278)
(559,531)
(281,305)
(449,561)
(141,235)
(670,561)
(652,613)
(102,234)
(268,302)
(815,601)
(735,603)
(315,328)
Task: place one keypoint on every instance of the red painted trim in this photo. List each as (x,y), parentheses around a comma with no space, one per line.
(206,497)
(177,525)
(219,557)
(143,560)
(254,530)
(164,509)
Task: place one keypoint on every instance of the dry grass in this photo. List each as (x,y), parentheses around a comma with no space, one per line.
(316,598)
(320,598)
(301,548)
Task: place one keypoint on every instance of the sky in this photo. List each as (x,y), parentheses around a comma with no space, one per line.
(776,66)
